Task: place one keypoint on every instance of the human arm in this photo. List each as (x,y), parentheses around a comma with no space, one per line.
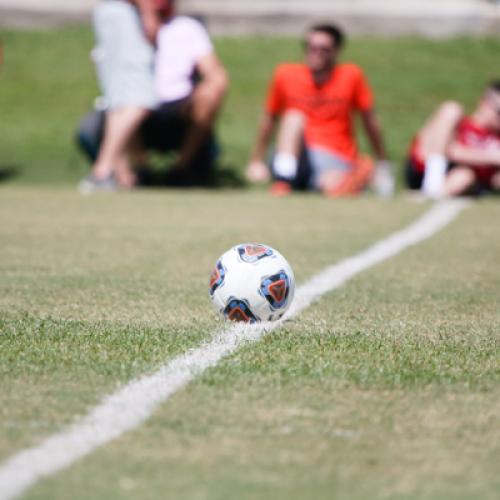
(373,131)
(203,106)
(214,79)
(274,107)
(383,179)
(257,170)
(364,103)
(150,17)
(466,155)
(265,132)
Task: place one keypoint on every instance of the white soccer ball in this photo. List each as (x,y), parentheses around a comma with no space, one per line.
(252,282)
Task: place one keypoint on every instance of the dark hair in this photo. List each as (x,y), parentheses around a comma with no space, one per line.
(333,31)
(494,85)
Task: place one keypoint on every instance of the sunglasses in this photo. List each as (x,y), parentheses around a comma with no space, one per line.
(318,48)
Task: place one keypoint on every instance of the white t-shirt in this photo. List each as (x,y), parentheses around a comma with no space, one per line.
(182,42)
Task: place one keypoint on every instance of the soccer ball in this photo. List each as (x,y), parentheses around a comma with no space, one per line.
(252,282)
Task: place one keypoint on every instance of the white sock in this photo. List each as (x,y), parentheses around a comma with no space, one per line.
(285,165)
(434,176)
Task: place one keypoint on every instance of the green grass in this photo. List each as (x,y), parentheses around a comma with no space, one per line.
(48,83)
(387,388)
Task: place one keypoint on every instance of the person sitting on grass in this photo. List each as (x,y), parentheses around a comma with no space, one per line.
(190,83)
(454,154)
(314,104)
(124,58)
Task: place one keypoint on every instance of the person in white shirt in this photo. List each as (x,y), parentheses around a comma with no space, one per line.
(190,84)
(124,56)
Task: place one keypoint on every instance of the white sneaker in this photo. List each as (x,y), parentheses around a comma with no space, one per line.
(434,176)
(91,185)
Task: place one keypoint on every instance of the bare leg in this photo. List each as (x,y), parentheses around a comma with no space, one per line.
(434,139)
(459,181)
(202,110)
(124,173)
(331,180)
(288,144)
(495,181)
(291,133)
(336,184)
(437,133)
(113,157)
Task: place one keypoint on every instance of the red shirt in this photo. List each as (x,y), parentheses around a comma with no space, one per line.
(472,135)
(329,108)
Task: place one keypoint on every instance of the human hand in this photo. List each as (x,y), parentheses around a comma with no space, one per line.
(257,171)
(383,179)
(151,26)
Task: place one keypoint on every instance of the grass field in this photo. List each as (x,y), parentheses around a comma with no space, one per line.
(387,388)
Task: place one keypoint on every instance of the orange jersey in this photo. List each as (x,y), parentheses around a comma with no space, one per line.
(328,108)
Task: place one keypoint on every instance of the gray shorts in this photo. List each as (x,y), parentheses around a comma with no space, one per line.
(124,57)
(322,161)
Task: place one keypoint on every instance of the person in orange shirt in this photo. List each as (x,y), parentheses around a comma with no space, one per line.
(314,104)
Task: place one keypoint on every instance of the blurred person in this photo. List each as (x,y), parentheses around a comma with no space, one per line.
(124,56)
(312,105)
(189,84)
(454,154)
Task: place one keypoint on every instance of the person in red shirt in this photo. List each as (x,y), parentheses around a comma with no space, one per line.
(454,154)
(314,104)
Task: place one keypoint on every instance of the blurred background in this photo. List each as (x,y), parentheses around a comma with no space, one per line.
(436,18)
(415,52)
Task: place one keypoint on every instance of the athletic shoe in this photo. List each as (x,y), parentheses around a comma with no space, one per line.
(91,185)
(281,188)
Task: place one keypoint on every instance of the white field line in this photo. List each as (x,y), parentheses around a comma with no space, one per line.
(132,405)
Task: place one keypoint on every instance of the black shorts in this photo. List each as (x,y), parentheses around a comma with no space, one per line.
(165,128)
(304,171)
(414,177)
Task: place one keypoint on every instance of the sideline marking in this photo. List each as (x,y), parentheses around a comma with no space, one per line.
(133,404)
